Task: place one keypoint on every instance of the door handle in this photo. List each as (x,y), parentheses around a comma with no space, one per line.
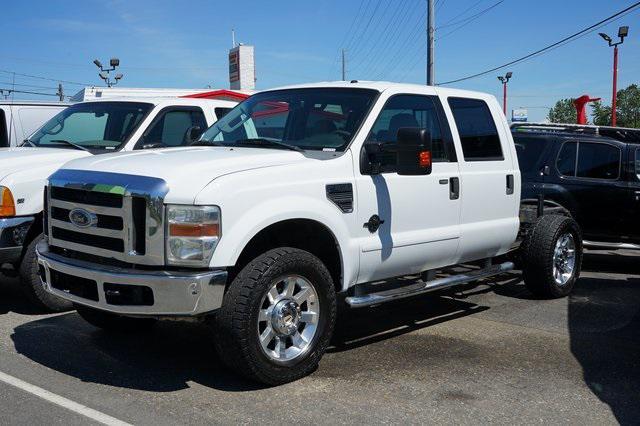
(454,188)
(510,184)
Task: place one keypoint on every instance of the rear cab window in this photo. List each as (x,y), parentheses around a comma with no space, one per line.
(477,129)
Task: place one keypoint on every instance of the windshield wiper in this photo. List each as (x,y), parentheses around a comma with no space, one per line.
(263,141)
(27,141)
(206,143)
(76,146)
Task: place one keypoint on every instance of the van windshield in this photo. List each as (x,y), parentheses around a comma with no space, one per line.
(301,119)
(94,126)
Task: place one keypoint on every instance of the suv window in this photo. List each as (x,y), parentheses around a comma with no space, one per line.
(409,111)
(477,130)
(171,127)
(638,162)
(529,150)
(594,160)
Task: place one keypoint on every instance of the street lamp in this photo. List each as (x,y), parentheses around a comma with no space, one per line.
(104,72)
(622,33)
(504,80)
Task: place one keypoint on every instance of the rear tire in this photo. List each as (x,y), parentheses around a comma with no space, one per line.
(113,322)
(277,317)
(552,256)
(32,285)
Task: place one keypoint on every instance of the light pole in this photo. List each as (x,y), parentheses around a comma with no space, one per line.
(622,33)
(104,72)
(504,80)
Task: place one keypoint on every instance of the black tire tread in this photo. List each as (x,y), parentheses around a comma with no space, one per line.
(232,321)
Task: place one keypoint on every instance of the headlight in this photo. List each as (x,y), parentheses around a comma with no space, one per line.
(7,206)
(192,234)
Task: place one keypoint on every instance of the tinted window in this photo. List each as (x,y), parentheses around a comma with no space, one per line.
(529,150)
(477,129)
(4,135)
(409,111)
(566,162)
(171,128)
(221,112)
(598,161)
(94,125)
(315,119)
(638,161)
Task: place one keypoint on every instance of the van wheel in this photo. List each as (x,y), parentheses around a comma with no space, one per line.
(113,322)
(552,256)
(277,317)
(32,285)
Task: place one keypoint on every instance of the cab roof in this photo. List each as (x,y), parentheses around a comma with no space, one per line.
(167,100)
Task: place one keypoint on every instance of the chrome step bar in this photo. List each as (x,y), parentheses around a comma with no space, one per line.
(426,287)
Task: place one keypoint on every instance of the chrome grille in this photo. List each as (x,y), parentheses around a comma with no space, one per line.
(108,215)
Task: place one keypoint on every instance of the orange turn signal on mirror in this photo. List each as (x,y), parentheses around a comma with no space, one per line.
(194,230)
(7,205)
(424,158)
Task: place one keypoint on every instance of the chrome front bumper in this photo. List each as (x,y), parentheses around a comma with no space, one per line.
(174,293)
(12,235)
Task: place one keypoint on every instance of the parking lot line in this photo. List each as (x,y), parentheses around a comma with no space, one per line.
(62,401)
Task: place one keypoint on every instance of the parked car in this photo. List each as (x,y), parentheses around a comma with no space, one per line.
(83,130)
(18,119)
(591,173)
(297,198)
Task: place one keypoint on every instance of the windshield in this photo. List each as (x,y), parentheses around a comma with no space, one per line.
(310,119)
(99,126)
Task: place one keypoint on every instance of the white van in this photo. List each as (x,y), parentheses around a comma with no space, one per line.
(18,119)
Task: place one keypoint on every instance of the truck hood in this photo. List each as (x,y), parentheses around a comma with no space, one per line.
(31,159)
(187,170)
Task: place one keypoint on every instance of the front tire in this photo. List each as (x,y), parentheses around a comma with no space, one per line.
(552,256)
(32,285)
(113,322)
(277,317)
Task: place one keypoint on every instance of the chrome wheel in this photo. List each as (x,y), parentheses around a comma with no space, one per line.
(288,318)
(564,259)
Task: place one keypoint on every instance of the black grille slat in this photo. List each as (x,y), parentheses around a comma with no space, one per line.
(78,286)
(107,243)
(341,194)
(94,198)
(128,295)
(104,221)
(139,213)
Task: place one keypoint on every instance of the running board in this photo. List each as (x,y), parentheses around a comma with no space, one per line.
(426,287)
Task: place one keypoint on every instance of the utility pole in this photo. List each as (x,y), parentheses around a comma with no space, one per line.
(431,79)
(60,92)
(344,69)
(622,33)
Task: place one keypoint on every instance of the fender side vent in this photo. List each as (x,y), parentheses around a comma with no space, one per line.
(341,194)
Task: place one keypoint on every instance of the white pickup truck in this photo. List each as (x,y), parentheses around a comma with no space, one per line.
(297,199)
(87,128)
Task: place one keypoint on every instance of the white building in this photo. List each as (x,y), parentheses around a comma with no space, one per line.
(242,68)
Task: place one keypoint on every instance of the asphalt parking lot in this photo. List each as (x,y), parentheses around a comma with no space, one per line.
(484,353)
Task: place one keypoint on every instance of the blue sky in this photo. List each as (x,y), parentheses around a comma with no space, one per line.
(169,43)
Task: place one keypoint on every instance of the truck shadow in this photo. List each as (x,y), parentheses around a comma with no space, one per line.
(604,329)
(13,300)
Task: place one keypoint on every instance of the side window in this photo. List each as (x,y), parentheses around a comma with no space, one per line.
(171,128)
(409,111)
(566,162)
(221,112)
(4,135)
(477,130)
(638,162)
(598,161)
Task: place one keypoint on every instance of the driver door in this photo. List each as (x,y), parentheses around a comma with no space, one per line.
(421,214)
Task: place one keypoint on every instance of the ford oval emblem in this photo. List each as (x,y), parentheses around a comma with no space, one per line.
(82,218)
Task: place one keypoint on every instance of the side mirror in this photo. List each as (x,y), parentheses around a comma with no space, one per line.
(414,151)
(193,133)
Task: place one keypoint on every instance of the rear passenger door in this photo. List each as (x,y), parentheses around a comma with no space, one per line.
(488,174)
(171,126)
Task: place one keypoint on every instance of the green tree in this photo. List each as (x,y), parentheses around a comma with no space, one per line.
(563,112)
(627,109)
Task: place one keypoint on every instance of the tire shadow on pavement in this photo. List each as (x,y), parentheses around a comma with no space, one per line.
(604,330)
(164,359)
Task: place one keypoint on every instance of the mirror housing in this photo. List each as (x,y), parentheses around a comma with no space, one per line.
(193,133)
(414,151)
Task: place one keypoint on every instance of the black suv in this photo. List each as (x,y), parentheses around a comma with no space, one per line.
(589,172)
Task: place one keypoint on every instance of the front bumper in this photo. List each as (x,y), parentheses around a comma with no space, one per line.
(12,235)
(126,291)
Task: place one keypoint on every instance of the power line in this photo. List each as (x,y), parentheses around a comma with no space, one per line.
(29,85)
(26,92)
(462,13)
(394,63)
(375,10)
(351,40)
(568,39)
(46,78)
(470,18)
